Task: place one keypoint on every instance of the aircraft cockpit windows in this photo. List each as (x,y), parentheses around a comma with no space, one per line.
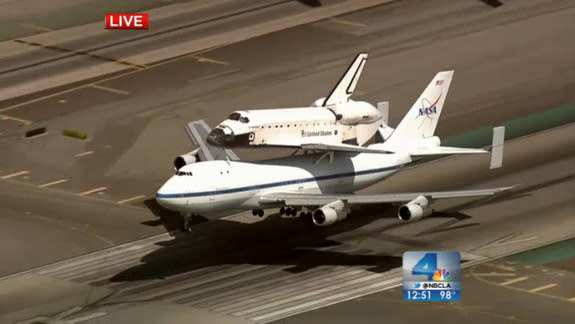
(234,116)
(183,173)
(244,120)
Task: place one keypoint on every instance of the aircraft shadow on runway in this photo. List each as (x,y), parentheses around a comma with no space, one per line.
(295,243)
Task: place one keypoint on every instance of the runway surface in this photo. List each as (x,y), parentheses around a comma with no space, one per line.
(275,268)
(82,196)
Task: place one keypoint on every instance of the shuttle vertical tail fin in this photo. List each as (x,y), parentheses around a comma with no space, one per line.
(346,85)
(421,120)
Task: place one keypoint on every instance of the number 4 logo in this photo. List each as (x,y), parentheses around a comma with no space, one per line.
(426,266)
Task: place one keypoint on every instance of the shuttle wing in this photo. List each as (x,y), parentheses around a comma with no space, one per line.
(296,199)
(198,131)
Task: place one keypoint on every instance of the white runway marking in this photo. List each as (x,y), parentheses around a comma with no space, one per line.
(131,199)
(85,318)
(495,274)
(53,183)
(15,174)
(348,22)
(543,288)
(84,153)
(92,191)
(114,90)
(23,121)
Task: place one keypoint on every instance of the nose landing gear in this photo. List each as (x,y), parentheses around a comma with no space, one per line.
(187,222)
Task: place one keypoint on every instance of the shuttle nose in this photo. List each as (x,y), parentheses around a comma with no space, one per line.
(219,137)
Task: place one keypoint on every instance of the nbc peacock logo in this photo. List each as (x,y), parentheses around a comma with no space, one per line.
(441,275)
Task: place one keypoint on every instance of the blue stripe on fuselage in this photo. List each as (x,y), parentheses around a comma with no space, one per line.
(278,184)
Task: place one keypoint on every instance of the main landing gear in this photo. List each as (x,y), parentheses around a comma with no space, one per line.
(258,212)
(293,212)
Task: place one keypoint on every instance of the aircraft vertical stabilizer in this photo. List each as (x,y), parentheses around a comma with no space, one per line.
(421,120)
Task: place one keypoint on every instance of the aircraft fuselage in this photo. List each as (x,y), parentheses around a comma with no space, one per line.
(215,186)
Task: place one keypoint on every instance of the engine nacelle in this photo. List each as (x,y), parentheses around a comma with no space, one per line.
(330,213)
(185,159)
(414,210)
(356,113)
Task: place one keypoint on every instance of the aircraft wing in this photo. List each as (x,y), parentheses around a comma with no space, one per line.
(198,131)
(341,148)
(302,199)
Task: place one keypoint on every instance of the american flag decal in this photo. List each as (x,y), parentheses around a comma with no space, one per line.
(438,82)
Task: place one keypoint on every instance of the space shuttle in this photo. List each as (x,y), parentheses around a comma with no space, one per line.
(335,120)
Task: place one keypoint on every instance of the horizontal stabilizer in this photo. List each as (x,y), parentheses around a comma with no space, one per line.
(445,150)
(341,148)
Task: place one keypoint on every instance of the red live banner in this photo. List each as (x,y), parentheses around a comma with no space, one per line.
(127,21)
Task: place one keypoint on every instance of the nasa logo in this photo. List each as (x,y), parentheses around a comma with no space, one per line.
(427,111)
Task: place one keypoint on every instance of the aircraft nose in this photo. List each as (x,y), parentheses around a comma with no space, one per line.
(219,137)
(167,196)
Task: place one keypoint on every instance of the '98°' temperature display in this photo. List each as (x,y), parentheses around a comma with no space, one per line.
(431,276)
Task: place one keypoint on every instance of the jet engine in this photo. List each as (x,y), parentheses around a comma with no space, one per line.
(331,213)
(414,210)
(356,113)
(185,159)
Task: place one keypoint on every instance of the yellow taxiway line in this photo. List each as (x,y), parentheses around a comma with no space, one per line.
(44,185)
(512,281)
(91,191)
(15,174)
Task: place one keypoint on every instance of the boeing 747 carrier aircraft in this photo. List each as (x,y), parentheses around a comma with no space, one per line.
(319,185)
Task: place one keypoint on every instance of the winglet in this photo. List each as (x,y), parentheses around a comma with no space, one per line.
(497,147)
(346,85)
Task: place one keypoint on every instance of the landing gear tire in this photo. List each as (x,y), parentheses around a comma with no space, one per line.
(258,212)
